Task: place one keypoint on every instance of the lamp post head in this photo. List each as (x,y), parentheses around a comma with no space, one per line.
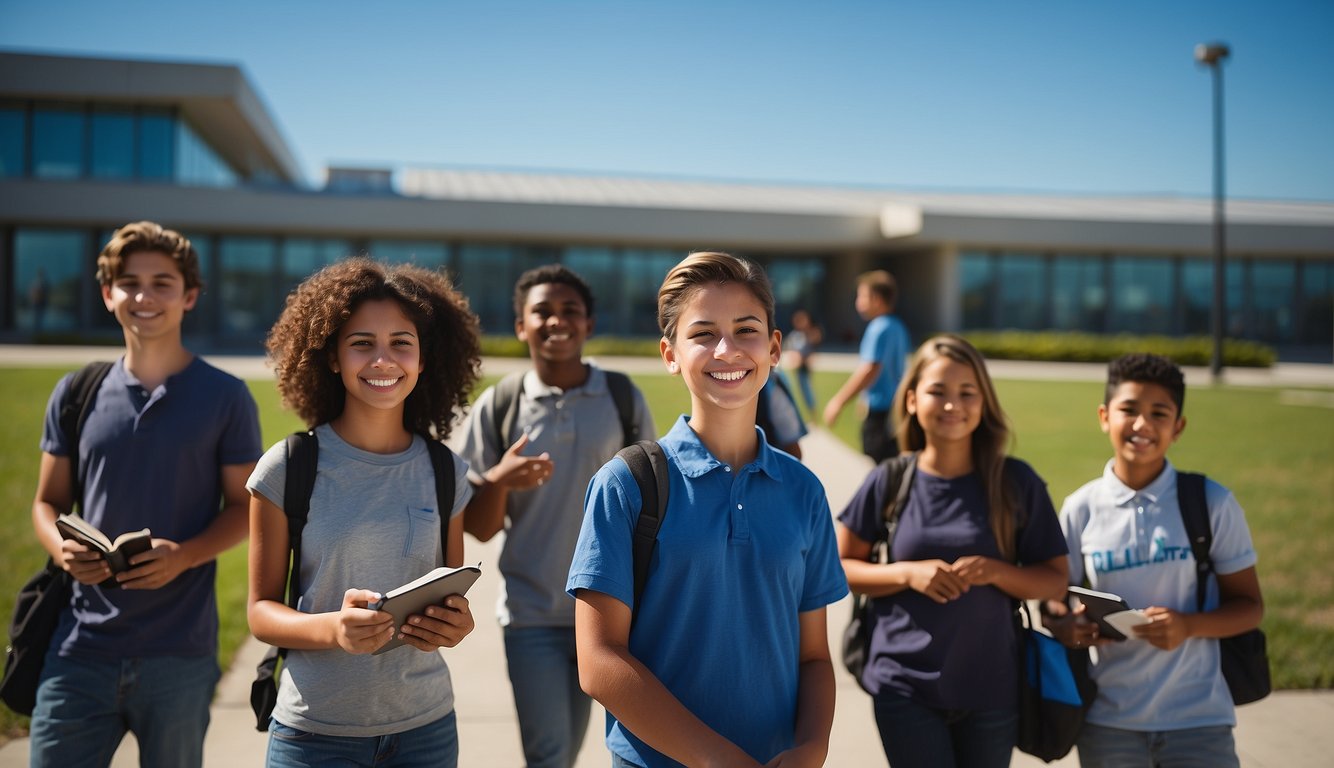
(1211,54)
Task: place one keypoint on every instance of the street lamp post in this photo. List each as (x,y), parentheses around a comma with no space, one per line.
(1212,55)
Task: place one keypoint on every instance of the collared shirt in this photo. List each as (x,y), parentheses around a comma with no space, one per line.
(580,429)
(885,341)
(740,555)
(152,459)
(1133,543)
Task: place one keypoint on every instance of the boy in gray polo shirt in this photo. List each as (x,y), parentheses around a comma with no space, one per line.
(531,484)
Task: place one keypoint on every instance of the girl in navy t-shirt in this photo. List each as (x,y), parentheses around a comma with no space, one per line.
(977,532)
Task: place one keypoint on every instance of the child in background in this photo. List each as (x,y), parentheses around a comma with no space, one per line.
(728,661)
(374,359)
(1162,699)
(977,532)
(801,342)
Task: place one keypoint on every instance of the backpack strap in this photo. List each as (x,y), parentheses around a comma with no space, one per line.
(623,395)
(505,407)
(900,470)
(648,464)
(1195,514)
(442,462)
(74,410)
(303,456)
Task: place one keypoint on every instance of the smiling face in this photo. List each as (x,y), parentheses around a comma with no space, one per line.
(1142,422)
(149,297)
(377,356)
(555,323)
(947,401)
(723,347)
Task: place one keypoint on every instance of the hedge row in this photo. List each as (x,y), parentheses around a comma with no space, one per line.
(998,345)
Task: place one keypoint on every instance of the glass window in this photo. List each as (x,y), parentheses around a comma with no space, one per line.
(1023,291)
(1273,286)
(246,285)
(197,163)
(977,281)
(796,283)
(1197,295)
(57,142)
(48,266)
(1078,294)
(203,318)
(303,256)
(1141,295)
(600,269)
(13,139)
(1317,303)
(113,145)
(156,146)
(643,270)
(486,276)
(423,253)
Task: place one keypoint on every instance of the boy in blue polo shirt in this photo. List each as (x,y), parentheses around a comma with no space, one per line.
(167,445)
(884,353)
(1162,699)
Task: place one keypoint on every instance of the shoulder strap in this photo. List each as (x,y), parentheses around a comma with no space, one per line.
(648,464)
(74,410)
(900,469)
(623,395)
(442,462)
(303,455)
(505,407)
(1195,515)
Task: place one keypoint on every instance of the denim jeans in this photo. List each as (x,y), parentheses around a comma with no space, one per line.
(620,762)
(434,744)
(1103,747)
(553,710)
(85,706)
(918,736)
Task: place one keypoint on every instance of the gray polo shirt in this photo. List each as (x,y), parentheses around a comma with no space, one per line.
(581,431)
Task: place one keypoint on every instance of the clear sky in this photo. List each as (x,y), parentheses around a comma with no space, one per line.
(1044,96)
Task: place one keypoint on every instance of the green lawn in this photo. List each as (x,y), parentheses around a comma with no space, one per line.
(1278,459)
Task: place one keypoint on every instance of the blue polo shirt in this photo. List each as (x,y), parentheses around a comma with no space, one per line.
(739,556)
(152,459)
(885,341)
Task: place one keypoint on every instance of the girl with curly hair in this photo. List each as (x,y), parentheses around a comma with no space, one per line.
(374,359)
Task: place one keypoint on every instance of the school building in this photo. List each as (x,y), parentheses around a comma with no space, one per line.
(88,144)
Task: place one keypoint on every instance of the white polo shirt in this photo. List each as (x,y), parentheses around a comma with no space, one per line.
(1134,544)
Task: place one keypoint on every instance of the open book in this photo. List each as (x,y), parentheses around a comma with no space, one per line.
(430,589)
(117,551)
(1114,616)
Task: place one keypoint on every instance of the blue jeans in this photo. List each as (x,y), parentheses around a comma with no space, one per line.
(85,706)
(1103,747)
(917,736)
(434,744)
(553,710)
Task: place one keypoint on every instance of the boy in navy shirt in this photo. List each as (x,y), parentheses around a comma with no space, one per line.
(168,445)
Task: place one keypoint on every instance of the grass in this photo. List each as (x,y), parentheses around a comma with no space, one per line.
(1278,460)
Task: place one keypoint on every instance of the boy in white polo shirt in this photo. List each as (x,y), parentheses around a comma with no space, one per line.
(1162,699)
(530,483)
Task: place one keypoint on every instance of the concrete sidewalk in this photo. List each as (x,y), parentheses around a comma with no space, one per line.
(1288,729)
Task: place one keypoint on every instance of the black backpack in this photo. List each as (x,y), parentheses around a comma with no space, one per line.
(303,453)
(648,464)
(506,406)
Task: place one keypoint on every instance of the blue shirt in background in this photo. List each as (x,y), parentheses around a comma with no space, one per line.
(885,341)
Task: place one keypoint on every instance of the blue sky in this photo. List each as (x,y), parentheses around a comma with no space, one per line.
(1051,96)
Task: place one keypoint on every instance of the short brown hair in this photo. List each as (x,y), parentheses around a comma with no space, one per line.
(882,284)
(703,268)
(144,236)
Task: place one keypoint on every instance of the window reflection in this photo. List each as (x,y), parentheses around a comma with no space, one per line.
(1141,295)
(486,275)
(57,143)
(246,287)
(977,280)
(156,146)
(13,139)
(112,145)
(48,265)
(1023,289)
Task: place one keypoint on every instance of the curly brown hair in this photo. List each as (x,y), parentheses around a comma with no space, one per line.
(302,342)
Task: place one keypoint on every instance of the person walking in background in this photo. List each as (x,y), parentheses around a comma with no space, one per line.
(374,359)
(167,445)
(565,424)
(1162,699)
(801,343)
(884,350)
(976,533)
(723,659)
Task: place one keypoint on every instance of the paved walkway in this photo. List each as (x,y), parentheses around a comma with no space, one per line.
(1290,729)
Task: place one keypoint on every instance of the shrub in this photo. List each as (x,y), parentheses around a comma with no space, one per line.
(1093,348)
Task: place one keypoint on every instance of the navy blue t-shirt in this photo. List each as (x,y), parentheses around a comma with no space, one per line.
(960,655)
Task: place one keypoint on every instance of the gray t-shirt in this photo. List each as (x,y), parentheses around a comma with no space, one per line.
(581,431)
(373,524)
